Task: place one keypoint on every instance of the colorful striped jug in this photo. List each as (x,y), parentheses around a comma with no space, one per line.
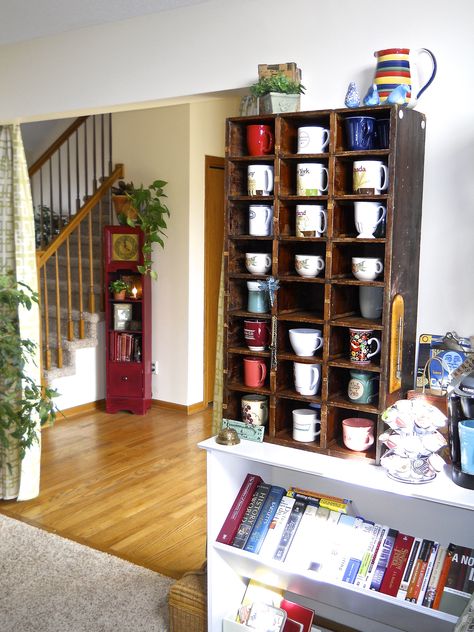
(399,67)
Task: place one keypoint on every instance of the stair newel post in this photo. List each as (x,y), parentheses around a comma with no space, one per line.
(91,268)
(79,271)
(59,345)
(70,325)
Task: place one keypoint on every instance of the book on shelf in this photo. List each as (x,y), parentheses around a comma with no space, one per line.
(124,347)
(301,614)
(429,570)
(382,563)
(319,551)
(256,592)
(337,555)
(289,531)
(396,565)
(250,516)
(237,511)
(330,502)
(409,568)
(361,533)
(298,553)
(428,599)
(369,553)
(276,528)
(419,571)
(459,583)
(270,506)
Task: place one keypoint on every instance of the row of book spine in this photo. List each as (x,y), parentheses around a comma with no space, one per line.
(313,532)
(124,347)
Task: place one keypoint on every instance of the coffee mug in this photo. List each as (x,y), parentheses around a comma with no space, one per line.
(382,133)
(257,298)
(366,268)
(305,341)
(260,179)
(312,139)
(260,220)
(306,425)
(362,345)
(362,387)
(311,220)
(371,301)
(307,378)
(369,176)
(367,216)
(254,408)
(360,133)
(257,262)
(260,140)
(309,265)
(466,444)
(358,433)
(255,372)
(311,179)
(256,334)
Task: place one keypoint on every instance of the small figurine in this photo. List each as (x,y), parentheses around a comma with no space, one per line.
(352,99)
(398,94)
(372,96)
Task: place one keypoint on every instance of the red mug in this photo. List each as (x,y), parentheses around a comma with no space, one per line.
(256,334)
(259,140)
(255,372)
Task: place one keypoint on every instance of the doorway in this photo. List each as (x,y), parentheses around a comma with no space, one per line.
(213,245)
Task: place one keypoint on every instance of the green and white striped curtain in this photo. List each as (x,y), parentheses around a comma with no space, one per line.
(17,253)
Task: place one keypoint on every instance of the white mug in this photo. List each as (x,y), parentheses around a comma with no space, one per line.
(258,262)
(311,178)
(311,220)
(307,378)
(312,140)
(306,425)
(367,216)
(369,176)
(260,179)
(260,220)
(309,265)
(366,268)
(306,341)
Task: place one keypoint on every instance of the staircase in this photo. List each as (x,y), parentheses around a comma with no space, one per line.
(71,187)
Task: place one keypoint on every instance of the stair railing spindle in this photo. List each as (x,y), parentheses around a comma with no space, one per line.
(46,345)
(79,271)
(59,344)
(91,268)
(70,324)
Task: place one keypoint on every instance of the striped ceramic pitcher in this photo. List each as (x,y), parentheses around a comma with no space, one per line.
(399,67)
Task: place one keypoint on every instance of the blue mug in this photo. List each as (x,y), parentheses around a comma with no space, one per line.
(383,133)
(360,133)
(466,443)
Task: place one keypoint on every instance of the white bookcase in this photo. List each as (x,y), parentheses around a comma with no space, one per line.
(438,510)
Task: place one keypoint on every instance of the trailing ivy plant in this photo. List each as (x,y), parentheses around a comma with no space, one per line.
(21,399)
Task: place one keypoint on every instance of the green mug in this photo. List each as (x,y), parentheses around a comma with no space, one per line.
(363,387)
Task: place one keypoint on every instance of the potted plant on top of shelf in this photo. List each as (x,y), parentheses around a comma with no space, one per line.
(150,217)
(122,205)
(277,93)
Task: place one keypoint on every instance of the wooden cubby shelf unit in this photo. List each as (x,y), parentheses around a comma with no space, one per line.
(330,301)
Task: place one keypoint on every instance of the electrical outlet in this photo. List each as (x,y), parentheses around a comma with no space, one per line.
(154,367)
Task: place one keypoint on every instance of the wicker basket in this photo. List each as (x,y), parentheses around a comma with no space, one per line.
(188,603)
(428,395)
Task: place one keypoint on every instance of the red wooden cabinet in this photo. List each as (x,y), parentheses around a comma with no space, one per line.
(128,323)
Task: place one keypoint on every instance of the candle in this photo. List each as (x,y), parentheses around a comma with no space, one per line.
(134,292)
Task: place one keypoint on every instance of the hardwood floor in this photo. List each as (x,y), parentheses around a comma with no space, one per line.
(133,486)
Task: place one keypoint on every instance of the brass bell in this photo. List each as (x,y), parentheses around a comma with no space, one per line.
(227,436)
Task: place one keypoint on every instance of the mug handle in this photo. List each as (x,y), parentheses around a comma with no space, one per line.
(370,440)
(384,212)
(269,139)
(319,344)
(268,217)
(320,265)
(325,140)
(268,260)
(422,51)
(314,377)
(269,180)
(378,267)
(324,187)
(263,372)
(317,432)
(324,221)
(377,344)
(384,184)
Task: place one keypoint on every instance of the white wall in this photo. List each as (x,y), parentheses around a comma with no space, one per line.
(218,45)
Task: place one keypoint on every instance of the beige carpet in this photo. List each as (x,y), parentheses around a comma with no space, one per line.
(50,584)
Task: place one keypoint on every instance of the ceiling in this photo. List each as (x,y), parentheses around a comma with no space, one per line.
(26,19)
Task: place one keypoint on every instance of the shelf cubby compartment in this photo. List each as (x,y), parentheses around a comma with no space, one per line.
(345,308)
(343,175)
(235,335)
(235,373)
(286,258)
(338,381)
(237,179)
(288,179)
(285,381)
(237,134)
(287,221)
(334,442)
(340,137)
(297,300)
(342,253)
(238,250)
(238,220)
(284,348)
(283,428)
(339,349)
(289,124)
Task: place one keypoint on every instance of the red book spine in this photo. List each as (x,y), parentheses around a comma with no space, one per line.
(396,565)
(236,514)
(419,572)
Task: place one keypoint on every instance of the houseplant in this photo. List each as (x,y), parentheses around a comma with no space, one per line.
(122,205)
(119,289)
(150,217)
(277,93)
(22,401)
